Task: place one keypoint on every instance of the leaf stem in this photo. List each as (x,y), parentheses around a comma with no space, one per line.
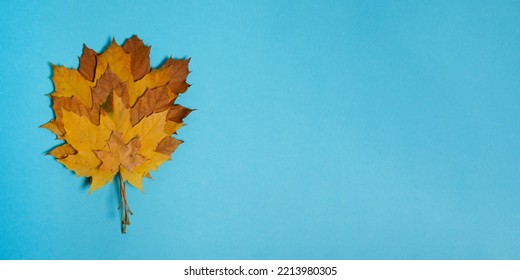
(123,205)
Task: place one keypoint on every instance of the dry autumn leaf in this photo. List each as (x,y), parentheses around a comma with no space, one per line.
(116,115)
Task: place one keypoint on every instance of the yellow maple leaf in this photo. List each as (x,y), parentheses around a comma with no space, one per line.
(116,115)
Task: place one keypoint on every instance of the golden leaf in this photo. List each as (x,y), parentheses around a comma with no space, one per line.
(68,83)
(63,151)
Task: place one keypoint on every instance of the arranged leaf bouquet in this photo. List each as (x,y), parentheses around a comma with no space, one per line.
(116,115)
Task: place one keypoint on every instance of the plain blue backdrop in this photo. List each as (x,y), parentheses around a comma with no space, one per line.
(324,130)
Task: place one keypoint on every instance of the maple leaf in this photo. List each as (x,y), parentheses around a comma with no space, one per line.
(116,115)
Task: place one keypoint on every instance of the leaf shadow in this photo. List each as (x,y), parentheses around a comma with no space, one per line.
(166,58)
(85,183)
(46,152)
(51,74)
(107,44)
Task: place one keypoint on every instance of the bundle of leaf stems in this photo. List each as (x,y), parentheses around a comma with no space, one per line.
(123,205)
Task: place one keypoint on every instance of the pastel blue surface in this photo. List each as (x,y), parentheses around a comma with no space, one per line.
(324,130)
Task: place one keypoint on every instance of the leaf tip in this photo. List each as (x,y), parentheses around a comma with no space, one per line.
(113,42)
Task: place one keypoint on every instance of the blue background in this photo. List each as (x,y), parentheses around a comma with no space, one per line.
(324,130)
